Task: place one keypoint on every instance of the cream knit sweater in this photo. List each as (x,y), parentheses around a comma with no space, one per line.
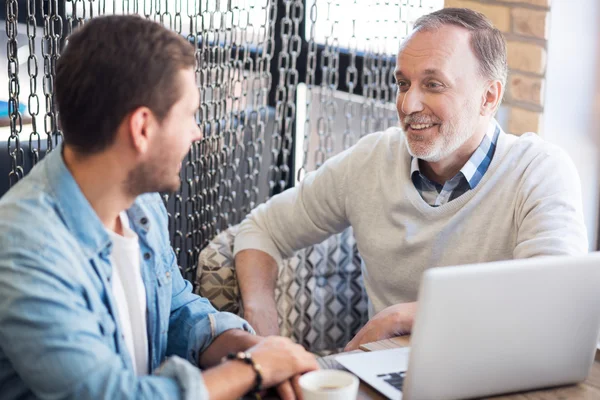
(527,204)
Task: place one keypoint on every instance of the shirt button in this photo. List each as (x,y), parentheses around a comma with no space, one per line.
(147,256)
(144,221)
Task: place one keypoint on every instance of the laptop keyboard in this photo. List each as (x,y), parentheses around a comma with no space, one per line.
(396,379)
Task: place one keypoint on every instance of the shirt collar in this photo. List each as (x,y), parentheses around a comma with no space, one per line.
(77,213)
(477,164)
(75,210)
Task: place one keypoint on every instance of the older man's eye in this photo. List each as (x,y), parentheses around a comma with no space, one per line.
(434,85)
(402,85)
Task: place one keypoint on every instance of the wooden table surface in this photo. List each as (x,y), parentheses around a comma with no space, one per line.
(587,390)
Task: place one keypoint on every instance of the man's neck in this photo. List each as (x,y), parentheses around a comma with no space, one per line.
(443,170)
(100,179)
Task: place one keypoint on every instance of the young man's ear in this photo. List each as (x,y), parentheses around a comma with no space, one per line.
(141,124)
(491,98)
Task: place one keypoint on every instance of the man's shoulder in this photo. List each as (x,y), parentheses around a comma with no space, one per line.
(29,205)
(532,148)
(538,161)
(31,225)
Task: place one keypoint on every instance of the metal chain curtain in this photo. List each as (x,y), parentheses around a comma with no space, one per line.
(248,140)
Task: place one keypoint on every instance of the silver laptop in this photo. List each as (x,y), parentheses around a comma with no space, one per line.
(487,329)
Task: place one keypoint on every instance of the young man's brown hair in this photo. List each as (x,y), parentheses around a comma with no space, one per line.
(111,66)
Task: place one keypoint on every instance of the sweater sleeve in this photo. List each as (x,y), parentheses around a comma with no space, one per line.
(549,216)
(301,216)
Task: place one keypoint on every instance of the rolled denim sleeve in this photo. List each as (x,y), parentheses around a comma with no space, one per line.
(187,376)
(218,323)
(194,323)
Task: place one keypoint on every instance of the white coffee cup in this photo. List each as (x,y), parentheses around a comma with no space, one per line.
(329,385)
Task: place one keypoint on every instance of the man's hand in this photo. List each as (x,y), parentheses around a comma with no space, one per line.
(281,359)
(290,390)
(281,362)
(393,321)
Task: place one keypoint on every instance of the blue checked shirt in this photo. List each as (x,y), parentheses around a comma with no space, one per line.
(466,179)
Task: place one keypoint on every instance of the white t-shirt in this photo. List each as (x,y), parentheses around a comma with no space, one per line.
(130,294)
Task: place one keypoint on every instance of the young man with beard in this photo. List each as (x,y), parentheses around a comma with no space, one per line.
(446,187)
(92,303)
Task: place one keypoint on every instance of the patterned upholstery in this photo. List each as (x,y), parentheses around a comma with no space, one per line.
(320,295)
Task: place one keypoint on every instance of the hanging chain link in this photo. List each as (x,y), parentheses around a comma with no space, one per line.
(311,67)
(330,57)
(188,183)
(261,84)
(366,75)
(292,79)
(224,72)
(383,62)
(15,151)
(33,102)
(70,11)
(185,201)
(351,82)
(285,97)
(283,64)
(247,121)
(200,220)
(221,57)
(56,31)
(51,40)
(235,128)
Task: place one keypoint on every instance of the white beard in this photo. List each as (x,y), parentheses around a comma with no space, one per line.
(451,136)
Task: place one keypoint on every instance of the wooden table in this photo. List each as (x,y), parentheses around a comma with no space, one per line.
(588,390)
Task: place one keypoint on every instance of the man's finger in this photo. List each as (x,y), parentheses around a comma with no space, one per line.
(286,391)
(297,389)
(351,346)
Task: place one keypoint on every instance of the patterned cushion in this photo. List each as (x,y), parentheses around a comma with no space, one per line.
(320,294)
(215,276)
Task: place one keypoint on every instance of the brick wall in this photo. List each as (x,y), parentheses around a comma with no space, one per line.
(525,26)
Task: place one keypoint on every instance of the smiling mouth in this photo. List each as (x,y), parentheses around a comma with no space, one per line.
(419,127)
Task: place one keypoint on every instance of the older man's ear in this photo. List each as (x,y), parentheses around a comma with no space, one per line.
(492,97)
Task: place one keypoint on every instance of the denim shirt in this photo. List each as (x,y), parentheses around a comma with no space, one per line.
(60,336)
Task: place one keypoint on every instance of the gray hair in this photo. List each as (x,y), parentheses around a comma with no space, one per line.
(487,42)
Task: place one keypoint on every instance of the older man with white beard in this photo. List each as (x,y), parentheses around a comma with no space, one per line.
(447,187)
